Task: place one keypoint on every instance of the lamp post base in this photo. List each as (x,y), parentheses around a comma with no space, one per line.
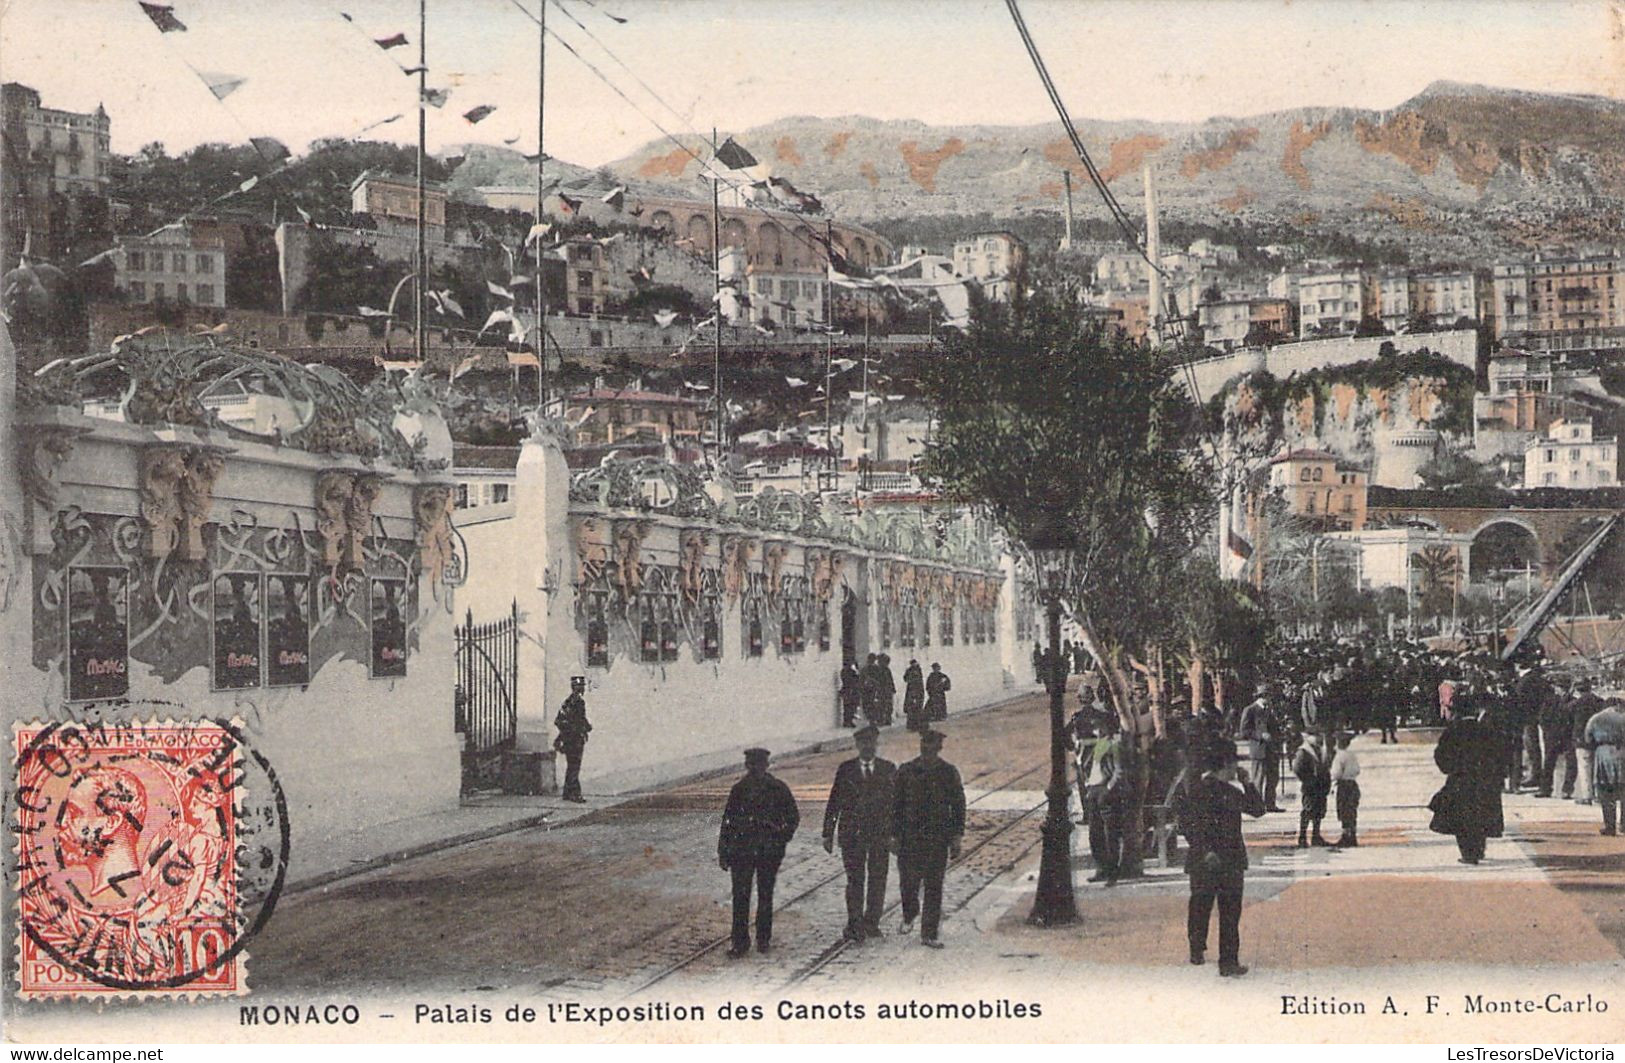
(1055,904)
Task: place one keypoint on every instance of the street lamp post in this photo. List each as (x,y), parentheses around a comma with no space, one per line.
(1055,903)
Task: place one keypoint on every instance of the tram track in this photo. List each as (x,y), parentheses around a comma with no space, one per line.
(829,954)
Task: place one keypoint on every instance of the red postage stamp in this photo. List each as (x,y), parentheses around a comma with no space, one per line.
(145,858)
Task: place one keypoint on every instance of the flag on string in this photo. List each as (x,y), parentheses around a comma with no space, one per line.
(303,213)
(568,205)
(616,196)
(381,121)
(518,358)
(696,387)
(539,230)
(222,85)
(465,365)
(496,318)
(434,98)
(163,16)
(733,156)
(248,184)
(842,364)
(795,381)
(664,318)
(386,43)
(270,148)
(444,303)
(518,280)
(510,140)
(496,289)
(478,114)
(412,71)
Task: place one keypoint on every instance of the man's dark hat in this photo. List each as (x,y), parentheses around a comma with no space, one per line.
(867,731)
(930,738)
(1219,754)
(756,753)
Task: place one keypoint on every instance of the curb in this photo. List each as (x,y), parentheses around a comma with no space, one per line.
(541,819)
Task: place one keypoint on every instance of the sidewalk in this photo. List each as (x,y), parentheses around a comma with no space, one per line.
(481,817)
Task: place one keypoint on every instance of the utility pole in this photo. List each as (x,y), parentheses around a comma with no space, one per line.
(1066,243)
(422,257)
(1153,251)
(829,362)
(716,294)
(542,380)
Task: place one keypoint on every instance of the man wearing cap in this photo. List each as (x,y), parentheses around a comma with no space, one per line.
(572,739)
(928,819)
(1209,810)
(758,822)
(859,817)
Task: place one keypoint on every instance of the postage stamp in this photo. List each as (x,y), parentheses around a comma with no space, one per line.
(148,854)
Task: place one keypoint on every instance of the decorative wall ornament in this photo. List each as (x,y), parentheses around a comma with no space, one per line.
(773,555)
(344,502)
(43,452)
(431,512)
(629,535)
(162,470)
(837,570)
(592,549)
(736,555)
(691,563)
(202,469)
(816,564)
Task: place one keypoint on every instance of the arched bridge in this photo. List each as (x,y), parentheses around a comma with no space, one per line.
(1556,532)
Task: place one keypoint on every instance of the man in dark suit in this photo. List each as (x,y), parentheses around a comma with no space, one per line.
(1209,809)
(760,819)
(928,819)
(572,738)
(859,817)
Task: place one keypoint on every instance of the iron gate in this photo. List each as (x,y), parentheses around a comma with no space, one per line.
(486,706)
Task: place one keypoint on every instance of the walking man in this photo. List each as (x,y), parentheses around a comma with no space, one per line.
(1100,779)
(937,685)
(1209,810)
(1345,777)
(1468,805)
(1557,736)
(851,693)
(928,819)
(760,819)
(914,696)
(858,816)
(572,738)
(871,685)
(1314,786)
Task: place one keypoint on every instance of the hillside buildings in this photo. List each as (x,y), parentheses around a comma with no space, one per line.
(1570,456)
(57,168)
(1561,302)
(178,263)
(392,202)
(1320,487)
(992,259)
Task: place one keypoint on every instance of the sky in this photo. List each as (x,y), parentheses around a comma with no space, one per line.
(738,63)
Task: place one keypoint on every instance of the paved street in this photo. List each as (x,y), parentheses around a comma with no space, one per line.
(629,898)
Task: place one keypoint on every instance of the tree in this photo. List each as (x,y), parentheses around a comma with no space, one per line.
(1075,441)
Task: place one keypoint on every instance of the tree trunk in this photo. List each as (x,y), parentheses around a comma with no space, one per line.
(1195,673)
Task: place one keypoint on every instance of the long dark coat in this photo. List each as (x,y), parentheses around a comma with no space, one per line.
(913,690)
(1471,756)
(760,819)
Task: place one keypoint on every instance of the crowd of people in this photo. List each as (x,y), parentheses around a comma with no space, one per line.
(871,691)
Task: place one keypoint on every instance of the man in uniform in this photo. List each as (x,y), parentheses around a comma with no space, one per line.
(937,685)
(928,819)
(859,816)
(760,819)
(1209,810)
(572,740)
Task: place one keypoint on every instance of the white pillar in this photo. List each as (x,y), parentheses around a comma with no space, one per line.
(549,651)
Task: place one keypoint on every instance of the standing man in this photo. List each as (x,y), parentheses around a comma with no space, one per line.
(870,686)
(888,689)
(1605,737)
(851,693)
(760,819)
(1469,804)
(1557,737)
(1257,729)
(928,820)
(1209,810)
(572,738)
(914,696)
(859,817)
(1314,785)
(937,685)
(1100,785)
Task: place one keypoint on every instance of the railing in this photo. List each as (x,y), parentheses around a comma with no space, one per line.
(486,696)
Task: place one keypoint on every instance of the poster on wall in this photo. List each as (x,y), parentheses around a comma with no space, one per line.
(98,633)
(388,628)
(238,621)
(287,638)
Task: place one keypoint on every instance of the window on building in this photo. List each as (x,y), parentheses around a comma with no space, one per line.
(158,290)
(584,279)
(205,294)
(204,264)
(499,493)
(135,260)
(462,496)
(180,292)
(1550,479)
(1551,455)
(1574,453)
(138,291)
(177,262)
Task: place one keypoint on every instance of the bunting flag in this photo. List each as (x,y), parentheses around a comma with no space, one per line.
(222,85)
(386,121)
(413,71)
(518,280)
(637,211)
(616,197)
(518,358)
(270,148)
(303,213)
(537,231)
(248,184)
(787,195)
(396,367)
(435,97)
(496,318)
(367,311)
(465,365)
(478,114)
(510,141)
(664,318)
(386,43)
(444,303)
(733,156)
(163,16)
(696,387)
(795,381)
(496,289)
(568,205)
(843,364)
